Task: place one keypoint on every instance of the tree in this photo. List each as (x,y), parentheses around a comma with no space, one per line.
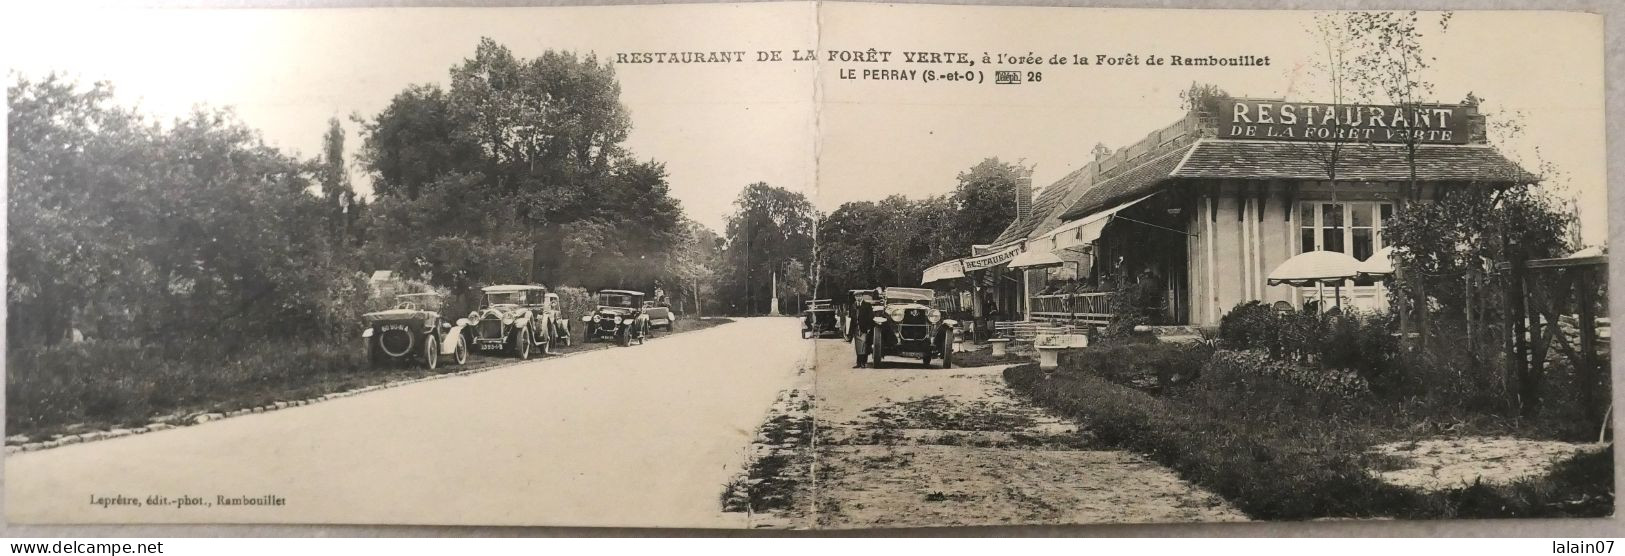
(334,177)
(520,153)
(770,227)
(415,141)
(985,200)
(192,232)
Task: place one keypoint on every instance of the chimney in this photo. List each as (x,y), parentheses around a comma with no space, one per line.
(1024,198)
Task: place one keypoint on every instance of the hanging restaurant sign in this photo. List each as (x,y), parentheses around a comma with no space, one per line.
(993,259)
(1311,121)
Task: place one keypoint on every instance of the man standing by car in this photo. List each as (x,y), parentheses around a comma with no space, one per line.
(860,326)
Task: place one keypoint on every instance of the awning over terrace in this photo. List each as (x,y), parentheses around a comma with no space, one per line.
(1035,257)
(946,270)
(1085,230)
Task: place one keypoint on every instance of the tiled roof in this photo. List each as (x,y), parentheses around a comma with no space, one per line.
(1355,162)
(1137,181)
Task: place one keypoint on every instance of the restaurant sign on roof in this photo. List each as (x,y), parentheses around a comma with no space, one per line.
(1312,121)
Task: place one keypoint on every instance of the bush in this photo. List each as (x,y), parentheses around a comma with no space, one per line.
(1251,325)
(1151,366)
(1236,368)
(575,301)
(1350,341)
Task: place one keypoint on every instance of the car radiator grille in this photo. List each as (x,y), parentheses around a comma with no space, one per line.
(395,342)
(490,328)
(913,331)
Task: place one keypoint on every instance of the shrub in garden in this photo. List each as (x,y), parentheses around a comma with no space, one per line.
(1250,325)
(1236,368)
(1153,365)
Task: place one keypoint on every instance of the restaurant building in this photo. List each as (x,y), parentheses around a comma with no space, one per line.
(1203,209)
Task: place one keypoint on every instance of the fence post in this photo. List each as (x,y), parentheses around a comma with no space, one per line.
(1588,371)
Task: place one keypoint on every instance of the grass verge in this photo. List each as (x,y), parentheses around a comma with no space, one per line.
(74,388)
(1277,452)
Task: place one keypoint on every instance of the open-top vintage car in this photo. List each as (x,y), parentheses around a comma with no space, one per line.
(518,319)
(906,324)
(659,314)
(619,317)
(413,330)
(818,320)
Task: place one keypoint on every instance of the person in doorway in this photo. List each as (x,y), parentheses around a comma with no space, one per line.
(859,327)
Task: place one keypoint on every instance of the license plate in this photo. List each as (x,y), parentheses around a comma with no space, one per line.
(491,344)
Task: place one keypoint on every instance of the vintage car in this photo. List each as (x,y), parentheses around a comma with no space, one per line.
(619,317)
(518,319)
(413,330)
(818,320)
(906,324)
(659,315)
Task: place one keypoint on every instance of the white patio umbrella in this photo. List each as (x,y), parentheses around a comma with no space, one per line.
(1317,268)
(1378,264)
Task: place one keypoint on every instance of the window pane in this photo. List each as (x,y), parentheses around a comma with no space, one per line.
(1360,215)
(1306,214)
(1308,240)
(1387,213)
(1362,244)
(1332,240)
(1333,213)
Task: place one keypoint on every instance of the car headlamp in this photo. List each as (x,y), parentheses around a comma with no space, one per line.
(617,321)
(507,320)
(366,333)
(880,320)
(586,318)
(933,316)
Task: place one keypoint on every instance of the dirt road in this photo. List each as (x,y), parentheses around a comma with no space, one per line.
(635,436)
(911,446)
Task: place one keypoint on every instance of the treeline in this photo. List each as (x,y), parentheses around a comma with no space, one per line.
(891,242)
(197,233)
(777,237)
(123,228)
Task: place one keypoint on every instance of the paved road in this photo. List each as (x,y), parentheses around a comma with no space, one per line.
(638,436)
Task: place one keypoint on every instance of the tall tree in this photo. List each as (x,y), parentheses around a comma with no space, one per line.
(985,200)
(334,178)
(769,228)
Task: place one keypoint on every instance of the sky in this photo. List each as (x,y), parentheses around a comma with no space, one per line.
(720,127)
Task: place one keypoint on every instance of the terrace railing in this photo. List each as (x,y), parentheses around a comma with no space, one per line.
(1074,308)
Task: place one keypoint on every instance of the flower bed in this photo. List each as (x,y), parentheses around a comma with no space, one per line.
(1240,365)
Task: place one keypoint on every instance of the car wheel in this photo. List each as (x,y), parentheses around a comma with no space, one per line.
(460,355)
(547,342)
(879,349)
(948,358)
(522,346)
(625,336)
(431,352)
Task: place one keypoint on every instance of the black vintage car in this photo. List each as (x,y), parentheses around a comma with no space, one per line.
(818,320)
(619,317)
(907,325)
(413,331)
